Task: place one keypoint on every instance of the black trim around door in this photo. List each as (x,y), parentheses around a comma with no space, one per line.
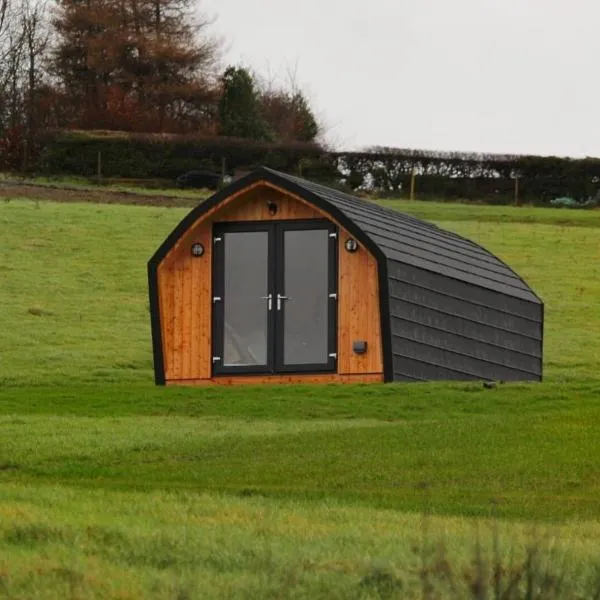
(275,318)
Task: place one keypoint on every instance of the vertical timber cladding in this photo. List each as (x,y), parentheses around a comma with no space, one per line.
(184,284)
(185,288)
(358,310)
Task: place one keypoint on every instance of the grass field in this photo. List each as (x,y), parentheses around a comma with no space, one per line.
(110,487)
(84,184)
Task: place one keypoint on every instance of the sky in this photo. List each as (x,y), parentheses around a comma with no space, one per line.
(502,76)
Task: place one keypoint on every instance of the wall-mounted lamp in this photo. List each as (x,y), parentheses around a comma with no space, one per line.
(351,245)
(197,249)
(272,208)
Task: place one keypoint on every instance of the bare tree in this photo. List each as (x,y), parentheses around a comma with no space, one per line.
(35,34)
(23,41)
(12,61)
(3,13)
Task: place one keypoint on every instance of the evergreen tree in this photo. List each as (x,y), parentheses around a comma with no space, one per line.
(240,113)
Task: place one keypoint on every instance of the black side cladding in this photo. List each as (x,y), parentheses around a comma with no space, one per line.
(446,329)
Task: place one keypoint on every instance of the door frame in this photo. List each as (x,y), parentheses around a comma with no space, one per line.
(275,319)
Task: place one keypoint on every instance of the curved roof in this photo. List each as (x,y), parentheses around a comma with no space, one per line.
(407,239)
(387,233)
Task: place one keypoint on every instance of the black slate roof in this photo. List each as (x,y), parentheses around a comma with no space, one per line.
(409,240)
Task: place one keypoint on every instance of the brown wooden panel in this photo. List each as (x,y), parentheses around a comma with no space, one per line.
(177,321)
(186,316)
(254,207)
(185,294)
(283,379)
(186,304)
(203,302)
(358,311)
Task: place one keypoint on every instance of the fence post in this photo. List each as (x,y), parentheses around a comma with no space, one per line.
(412,184)
(25,163)
(99,167)
(516,190)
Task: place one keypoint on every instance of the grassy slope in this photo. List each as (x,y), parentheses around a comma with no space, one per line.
(82,268)
(77,407)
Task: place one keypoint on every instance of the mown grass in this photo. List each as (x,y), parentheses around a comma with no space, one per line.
(541,464)
(82,426)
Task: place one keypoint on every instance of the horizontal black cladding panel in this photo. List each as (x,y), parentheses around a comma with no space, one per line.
(460,345)
(465,310)
(464,365)
(506,278)
(407,369)
(398,226)
(470,329)
(425,248)
(465,291)
(465,275)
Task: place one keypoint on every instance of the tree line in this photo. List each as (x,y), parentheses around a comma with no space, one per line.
(385,171)
(143,66)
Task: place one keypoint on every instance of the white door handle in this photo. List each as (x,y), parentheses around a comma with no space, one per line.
(269,300)
(280,297)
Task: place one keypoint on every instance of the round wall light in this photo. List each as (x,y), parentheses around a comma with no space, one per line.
(351,245)
(197,249)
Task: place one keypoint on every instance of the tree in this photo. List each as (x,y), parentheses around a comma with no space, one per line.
(136,64)
(23,38)
(289,115)
(35,41)
(10,63)
(172,60)
(3,12)
(240,110)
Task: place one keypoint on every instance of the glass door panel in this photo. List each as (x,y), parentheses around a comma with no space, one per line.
(304,300)
(245,299)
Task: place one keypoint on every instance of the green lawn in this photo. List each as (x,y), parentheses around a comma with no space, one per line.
(111,487)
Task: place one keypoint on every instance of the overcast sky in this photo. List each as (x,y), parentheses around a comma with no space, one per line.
(516,76)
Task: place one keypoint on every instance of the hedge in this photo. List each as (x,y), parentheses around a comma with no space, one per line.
(161,156)
(388,171)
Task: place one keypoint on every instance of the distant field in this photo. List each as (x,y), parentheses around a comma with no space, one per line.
(293,480)
(164,188)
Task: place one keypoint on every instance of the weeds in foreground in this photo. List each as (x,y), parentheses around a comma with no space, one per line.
(543,573)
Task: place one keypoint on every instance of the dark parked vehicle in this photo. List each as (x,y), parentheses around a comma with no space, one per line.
(199,179)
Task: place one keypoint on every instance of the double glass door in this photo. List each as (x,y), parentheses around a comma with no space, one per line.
(274,297)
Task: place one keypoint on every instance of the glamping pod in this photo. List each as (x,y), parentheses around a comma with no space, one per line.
(277,279)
